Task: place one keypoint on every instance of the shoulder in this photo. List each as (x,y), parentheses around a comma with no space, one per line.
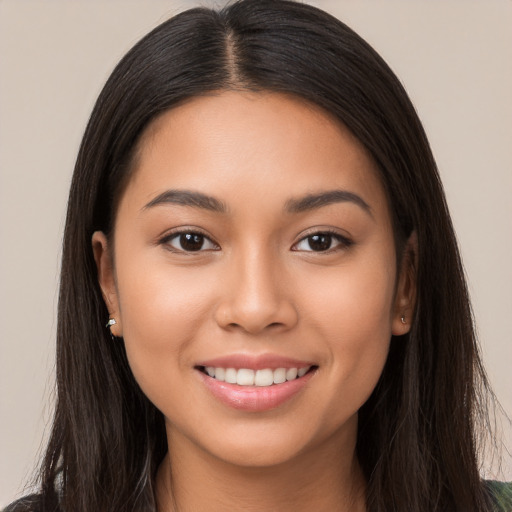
(501,495)
(30,503)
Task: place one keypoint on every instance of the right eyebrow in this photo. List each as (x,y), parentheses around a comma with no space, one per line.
(188,198)
(325,198)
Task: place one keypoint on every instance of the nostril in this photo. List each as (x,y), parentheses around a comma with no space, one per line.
(255,316)
(255,329)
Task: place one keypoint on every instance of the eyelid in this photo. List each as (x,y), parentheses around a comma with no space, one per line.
(183,230)
(344,241)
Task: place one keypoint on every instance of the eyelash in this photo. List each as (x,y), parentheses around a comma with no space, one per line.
(166,240)
(343,242)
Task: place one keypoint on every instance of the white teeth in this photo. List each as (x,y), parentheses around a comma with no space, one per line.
(291,373)
(220,374)
(262,378)
(302,372)
(230,376)
(245,377)
(279,375)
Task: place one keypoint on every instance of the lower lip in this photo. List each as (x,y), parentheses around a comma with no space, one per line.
(254,398)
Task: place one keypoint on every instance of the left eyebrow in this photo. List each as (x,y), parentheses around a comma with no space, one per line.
(321,199)
(188,198)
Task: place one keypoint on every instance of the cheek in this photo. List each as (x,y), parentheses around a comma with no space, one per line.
(356,299)
(162,310)
(352,312)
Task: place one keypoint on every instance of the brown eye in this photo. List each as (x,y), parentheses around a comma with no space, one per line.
(322,242)
(190,242)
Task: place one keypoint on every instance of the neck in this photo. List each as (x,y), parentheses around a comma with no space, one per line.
(322,479)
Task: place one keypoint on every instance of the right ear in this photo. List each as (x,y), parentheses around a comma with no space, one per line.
(104,264)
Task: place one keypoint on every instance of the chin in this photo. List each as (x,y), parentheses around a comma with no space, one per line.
(265,444)
(260,454)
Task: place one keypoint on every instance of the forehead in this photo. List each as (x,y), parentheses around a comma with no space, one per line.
(279,144)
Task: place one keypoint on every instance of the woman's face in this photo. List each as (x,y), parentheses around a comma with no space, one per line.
(254,241)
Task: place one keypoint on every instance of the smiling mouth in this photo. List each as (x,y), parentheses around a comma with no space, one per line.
(257,378)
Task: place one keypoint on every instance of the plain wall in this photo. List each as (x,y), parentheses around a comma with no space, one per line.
(454,57)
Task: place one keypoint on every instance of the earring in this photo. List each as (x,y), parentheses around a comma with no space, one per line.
(110,323)
(402,318)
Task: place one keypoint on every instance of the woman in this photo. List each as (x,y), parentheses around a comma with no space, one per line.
(256,215)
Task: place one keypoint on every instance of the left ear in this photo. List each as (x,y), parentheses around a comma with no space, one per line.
(104,263)
(405,297)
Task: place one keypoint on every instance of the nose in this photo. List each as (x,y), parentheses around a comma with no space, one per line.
(256,297)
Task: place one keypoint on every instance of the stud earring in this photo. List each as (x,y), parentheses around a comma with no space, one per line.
(110,323)
(402,319)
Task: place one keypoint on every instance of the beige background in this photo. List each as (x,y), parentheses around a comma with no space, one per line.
(454,57)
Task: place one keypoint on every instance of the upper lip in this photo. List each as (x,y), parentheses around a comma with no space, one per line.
(255,362)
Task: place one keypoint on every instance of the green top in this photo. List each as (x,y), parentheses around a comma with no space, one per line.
(501,494)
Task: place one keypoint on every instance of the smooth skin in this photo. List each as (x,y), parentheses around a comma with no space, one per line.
(269,274)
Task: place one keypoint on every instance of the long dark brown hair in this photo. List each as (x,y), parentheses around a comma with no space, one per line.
(418,432)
